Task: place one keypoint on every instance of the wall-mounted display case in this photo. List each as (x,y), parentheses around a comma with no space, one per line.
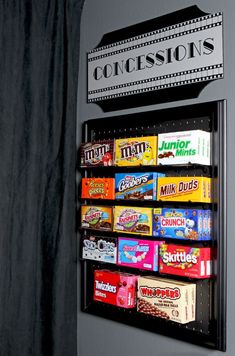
(185,149)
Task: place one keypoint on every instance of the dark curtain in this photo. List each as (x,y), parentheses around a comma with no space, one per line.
(39,43)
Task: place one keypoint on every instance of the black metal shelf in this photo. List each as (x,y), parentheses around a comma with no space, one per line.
(209,329)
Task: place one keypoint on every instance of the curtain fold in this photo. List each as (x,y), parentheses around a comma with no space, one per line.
(39,45)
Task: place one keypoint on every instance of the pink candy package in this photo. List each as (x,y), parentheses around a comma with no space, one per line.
(142,254)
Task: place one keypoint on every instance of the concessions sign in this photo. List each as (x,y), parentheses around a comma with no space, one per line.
(165,59)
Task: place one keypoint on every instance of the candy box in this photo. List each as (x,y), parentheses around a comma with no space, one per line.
(142,254)
(184,147)
(98,188)
(99,248)
(136,186)
(185,224)
(115,288)
(96,217)
(100,153)
(193,262)
(194,189)
(136,151)
(167,299)
(133,220)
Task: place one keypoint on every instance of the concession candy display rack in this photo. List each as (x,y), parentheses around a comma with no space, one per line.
(187,306)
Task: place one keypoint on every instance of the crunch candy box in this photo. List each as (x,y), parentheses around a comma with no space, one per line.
(136,186)
(167,299)
(137,253)
(136,151)
(115,288)
(195,189)
(185,224)
(96,217)
(193,262)
(100,153)
(98,188)
(133,220)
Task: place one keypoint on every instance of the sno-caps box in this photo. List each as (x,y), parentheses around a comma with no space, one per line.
(184,147)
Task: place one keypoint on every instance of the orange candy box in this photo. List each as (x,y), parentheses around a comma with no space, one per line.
(98,188)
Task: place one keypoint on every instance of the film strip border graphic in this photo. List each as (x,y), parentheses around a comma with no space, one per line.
(162,82)
(160,35)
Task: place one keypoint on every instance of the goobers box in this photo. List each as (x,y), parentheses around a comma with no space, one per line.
(167,299)
(184,147)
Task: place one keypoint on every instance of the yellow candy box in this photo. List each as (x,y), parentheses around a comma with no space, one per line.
(136,151)
(133,220)
(195,189)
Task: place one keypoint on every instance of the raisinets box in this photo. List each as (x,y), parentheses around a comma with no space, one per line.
(188,261)
(115,288)
(96,217)
(136,186)
(98,188)
(136,151)
(99,248)
(185,224)
(133,220)
(184,147)
(195,189)
(167,299)
(100,153)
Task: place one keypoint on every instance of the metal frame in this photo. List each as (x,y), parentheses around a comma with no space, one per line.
(210,330)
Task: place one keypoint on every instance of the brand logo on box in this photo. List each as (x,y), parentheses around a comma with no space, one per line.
(162,293)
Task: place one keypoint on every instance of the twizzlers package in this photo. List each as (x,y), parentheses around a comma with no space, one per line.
(100,153)
(115,288)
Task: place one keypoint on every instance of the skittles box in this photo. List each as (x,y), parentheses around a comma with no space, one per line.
(98,188)
(167,299)
(187,261)
(133,220)
(115,288)
(99,248)
(136,186)
(136,151)
(194,189)
(184,147)
(142,254)
(185,224)
(100,153)
(96,217)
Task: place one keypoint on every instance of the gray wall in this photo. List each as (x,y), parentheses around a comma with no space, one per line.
(100,337)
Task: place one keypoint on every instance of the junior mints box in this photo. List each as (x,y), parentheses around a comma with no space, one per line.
(136,186)
(185,224)
(184,147)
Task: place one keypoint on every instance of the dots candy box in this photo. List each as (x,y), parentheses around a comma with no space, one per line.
(195,189)
(98,188)
(100,153)
(115,288)
(167,299)
(136,186)
(99,248)
(133,220)
(192,262)
(185,146)
(136,151)
(185,224)
(96,217)
(137,253)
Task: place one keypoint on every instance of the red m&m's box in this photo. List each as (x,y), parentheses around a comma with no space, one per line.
(115,288)
(193,262)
